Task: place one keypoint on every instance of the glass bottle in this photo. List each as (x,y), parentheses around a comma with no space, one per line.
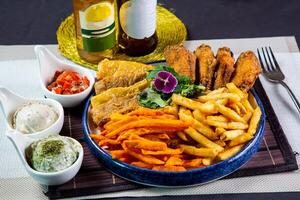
(137,26)
(95,26)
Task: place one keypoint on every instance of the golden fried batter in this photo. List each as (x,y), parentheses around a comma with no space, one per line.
(207,64)
(116,100)
(181,59)
(247,70)
(118,73)
(225,67)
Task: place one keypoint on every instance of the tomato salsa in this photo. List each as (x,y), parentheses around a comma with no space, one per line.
(68,82)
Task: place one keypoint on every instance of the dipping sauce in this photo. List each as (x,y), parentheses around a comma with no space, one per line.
(34,117)
(68,82)
(52,154)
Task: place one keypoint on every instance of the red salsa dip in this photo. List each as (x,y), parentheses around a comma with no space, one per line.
(68,82)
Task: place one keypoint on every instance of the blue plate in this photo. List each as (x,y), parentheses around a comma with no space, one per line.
(174,179)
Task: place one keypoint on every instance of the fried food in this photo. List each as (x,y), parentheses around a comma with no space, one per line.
(115,100)
(181,59)
(247,70)
(202,140)
(207,65)
(207,107)
(191,138)
(254,121)
(230,152)
(201,152)
(214,72)
(225,67)
(117,73)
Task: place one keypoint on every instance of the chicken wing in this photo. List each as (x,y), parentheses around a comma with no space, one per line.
(225,67)
(247,70)
(207,64)
(181,59)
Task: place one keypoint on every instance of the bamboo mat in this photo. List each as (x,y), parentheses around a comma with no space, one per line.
(275,155)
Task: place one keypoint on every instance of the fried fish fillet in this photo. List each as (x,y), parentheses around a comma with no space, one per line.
(207,64)
(181,59)
(115,100)
(117,73)
(247,70)
(225,67)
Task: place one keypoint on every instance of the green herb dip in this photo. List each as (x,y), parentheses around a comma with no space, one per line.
(52,154)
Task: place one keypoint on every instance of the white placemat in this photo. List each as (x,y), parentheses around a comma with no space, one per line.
(21,76)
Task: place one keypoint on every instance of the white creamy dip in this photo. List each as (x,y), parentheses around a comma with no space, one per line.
(34,117)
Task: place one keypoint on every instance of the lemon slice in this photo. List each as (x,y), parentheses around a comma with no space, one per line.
(98,12)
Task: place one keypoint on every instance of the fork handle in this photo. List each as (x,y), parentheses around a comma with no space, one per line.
(293,97)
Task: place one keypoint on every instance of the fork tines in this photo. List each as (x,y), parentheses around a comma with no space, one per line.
(268,61)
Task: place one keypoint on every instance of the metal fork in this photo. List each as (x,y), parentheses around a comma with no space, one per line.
(273,73)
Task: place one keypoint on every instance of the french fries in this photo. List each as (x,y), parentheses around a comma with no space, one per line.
(230,113)
(167,151)
(207,107)
(229,152)
(240,139)
(202,139)
(202,128)
(169,124)
(230,135)
(235,90)
(254,121)
(231,96)
(201,152)
(189,134)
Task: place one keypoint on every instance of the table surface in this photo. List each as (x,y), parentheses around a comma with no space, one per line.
(36,22)
(19,59)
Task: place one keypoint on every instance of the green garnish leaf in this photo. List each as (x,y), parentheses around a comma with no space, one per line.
(190,90)
(152,99)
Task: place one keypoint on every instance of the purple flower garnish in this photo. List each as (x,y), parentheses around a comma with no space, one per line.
(165,82)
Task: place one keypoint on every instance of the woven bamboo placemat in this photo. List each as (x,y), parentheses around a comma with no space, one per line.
(170,30)
(275,155)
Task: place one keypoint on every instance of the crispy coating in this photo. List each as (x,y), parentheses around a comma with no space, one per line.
(225,67)
(117,73)
(247,70)
(115,100)
(181,59)
(207,64)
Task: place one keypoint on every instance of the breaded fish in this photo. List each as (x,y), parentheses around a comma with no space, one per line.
(225,67)
(247,70)
(207,64)
(115,100)
(117,73)
(181,59)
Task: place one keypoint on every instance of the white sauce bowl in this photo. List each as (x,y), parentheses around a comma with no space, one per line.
(49,64)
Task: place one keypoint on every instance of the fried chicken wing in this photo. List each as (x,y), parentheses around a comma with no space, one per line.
(225,67)
(181,59)
(247,70)
(207,64)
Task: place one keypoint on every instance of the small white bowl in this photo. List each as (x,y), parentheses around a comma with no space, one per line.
(49,64)
(11,102)
(21,142)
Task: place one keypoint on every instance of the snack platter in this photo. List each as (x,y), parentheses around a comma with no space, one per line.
(172,179)
(175,118)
